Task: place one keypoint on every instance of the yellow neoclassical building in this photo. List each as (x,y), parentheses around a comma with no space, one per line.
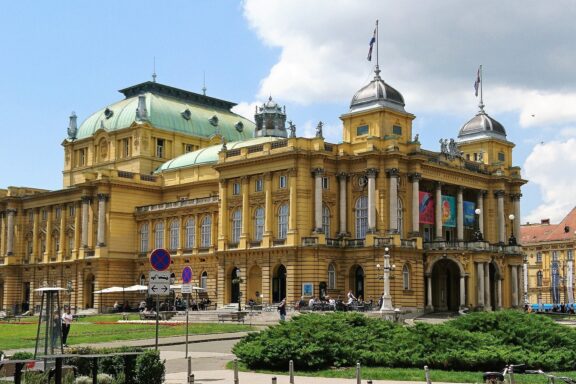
(168,168)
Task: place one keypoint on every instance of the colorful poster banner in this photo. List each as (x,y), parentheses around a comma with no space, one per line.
(448,211)
(426,208)
(469,215)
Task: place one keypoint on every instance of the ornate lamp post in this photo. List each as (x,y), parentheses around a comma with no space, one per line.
(512,240)
(387,298)
(478,233)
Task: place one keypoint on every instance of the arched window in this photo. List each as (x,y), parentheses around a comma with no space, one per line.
(190,233)
(142,279)
(326,220)
(258,223)
(144,238)
(204,280)
(159,235)
(406,277)
(70,243)
(539,279)
(174,234)
(400,222)
(283,221)
(331,276)
(236,225)
(361,210)
(205,232)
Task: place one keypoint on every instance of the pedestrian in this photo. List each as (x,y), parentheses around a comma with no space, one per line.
(56,330)
(282,309)
(67,319)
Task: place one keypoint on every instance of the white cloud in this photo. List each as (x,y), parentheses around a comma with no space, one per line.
(550,166)
(246,110)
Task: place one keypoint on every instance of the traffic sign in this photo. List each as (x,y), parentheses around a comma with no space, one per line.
(160,259)
(186,288)
(159,283)
(186,275)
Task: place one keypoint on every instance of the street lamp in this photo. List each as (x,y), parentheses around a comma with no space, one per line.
(478,233)
(387,298)
(512,240)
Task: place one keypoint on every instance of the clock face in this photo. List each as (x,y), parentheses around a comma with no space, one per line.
(362,181)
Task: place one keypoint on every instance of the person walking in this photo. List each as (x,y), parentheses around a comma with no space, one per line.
(67,319)
(282,309)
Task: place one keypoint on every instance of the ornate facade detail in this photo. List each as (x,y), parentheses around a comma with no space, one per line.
(450,149)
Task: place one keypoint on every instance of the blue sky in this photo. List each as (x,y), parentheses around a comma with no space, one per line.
(65,56)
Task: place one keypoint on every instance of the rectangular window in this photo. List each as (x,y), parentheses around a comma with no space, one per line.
(81,157)
(44,214)
(362,130)
(501,156)
(325,184)
(160,148)
(58,212)
(236,189)
(467,156)
(397,130)
(282,181)
(30,216)
(189,148)
(539,257)
(125,147)
(554,255)
(259,184)
(475,157)
(71,210)
(569,255)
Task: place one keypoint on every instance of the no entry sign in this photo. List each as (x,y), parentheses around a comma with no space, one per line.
(186,275)
(160,259)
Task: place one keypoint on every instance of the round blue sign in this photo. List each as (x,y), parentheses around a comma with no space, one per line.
(160,259)
(186,275)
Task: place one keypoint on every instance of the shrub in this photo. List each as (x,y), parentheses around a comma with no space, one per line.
(149,368)
(22,356)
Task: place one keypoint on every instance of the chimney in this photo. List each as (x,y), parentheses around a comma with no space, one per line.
(545,221)
(142,112)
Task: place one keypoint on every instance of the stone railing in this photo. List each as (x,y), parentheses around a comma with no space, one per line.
(177,204)
(309,241)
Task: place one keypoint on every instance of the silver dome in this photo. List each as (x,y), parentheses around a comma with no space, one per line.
(377,94)
(482,125)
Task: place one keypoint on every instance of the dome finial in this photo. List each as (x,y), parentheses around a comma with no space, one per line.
(154,71)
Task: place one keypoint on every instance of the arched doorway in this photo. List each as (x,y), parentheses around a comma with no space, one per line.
(445,286)
(279,284)
(89,291)
(494,277)
(234,286)
(357,280)
(254,288)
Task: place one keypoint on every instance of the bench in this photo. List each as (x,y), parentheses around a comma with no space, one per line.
(163,315)
(232,316)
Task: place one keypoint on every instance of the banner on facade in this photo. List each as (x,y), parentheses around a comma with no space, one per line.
(448,211)
(426,208)
(469,208)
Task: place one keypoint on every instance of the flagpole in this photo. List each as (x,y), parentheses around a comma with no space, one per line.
(377,55)
(481,84)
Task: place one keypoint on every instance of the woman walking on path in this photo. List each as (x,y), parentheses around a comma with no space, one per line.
(282,309)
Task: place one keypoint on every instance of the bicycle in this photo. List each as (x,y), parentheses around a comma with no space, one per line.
(551,378)
(500,377)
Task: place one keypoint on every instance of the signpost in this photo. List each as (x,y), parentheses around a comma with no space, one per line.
(187,289)
(159,282)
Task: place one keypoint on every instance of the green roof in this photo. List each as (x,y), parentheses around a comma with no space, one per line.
(166,107)
(209,155)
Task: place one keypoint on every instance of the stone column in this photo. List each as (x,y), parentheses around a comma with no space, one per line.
(49,228)
(501,221)
(460,214)
(415,179)
(514,285)
(36,234)
(462,291)
(293,208)
(2,232)
(480,279)
(222,227)
(85,215)
(393,174)
(77,228)
(342,178)
(63,245)
(517,219)
(318,173)
(371,175)
(487,296)
(268,211)
(245,207)
(101,230)
(438,212)
(10,223)
(429,291)
(520,283)
(569,280)
(481,215)
(499,298)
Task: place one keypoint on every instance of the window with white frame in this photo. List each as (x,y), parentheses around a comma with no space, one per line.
(569,255)
(326,220)
(175,234)
(159,235)
(258,223)
(58,213)
(206,232)
(259,184)
(539,257)
(406,277)
(554,255)
(331,276)
(204,280)
(71,210)
(160,148)
(361,210)
(125,147)
(325,183)
(190,233)
(539,279)
(282,181)
(144,237)
(236,225)
(236,189)
(283,221)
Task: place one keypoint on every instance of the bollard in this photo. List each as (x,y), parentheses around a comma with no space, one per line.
(189,368)
(291,371)
(191,379)
(274,380)
(236,371)
(358,378)
(427,374)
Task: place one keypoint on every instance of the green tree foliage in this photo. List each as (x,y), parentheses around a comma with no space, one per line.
(479,341)
(149,368)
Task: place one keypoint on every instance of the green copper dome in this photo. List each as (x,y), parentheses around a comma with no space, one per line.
(170,109)
(209,155)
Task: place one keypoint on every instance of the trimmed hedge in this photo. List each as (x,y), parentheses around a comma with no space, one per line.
(480,341)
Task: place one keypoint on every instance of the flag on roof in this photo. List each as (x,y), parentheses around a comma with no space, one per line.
(477,82)
(372,41)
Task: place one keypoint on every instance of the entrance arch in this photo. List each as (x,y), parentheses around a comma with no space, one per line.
(234,286)
(254,288)
(357,280)
(445,286)
(279,284)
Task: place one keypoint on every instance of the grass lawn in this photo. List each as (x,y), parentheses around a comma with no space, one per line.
(405,374)
(102,328)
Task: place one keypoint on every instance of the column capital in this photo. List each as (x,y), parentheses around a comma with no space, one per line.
(342,176)
(392,172)
(267,176)
(86,199)
(223,182)
(413,177)
(11,211)
(499,193)
(317,171)
(371,172)
(438,184)
(244,179)
(482,193)
(103,196)
(293,172)
(460,189)
(515,196)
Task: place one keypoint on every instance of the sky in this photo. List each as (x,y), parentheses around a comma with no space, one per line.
(311,56)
